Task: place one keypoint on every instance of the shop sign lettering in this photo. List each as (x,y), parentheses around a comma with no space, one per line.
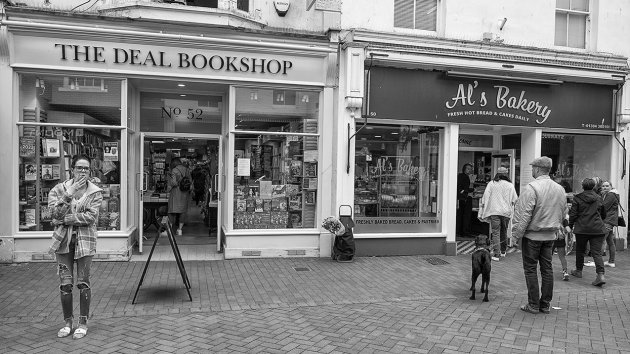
(184,60)
(191,113)
(467,96)
(398,166)
(399,221)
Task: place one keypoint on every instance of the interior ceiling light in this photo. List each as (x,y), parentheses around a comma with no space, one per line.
(183,95)
(181,85)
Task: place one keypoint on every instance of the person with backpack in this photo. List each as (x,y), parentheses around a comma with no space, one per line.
(179,185)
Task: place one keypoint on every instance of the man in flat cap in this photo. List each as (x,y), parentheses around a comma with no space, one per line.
(538,214)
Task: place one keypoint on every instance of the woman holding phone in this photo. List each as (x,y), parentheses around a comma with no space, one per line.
(74,206)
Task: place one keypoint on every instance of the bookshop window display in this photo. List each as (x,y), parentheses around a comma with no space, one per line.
(46,152)
(397,179)
(576,157)
(276,175)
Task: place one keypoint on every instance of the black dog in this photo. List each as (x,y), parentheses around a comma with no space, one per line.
(481,264)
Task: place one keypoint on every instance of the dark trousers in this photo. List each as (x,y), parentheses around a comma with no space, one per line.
(534,253)
(596,242)
(610,244)
(464,216)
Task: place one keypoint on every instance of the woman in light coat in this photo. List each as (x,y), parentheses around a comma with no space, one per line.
(496,207)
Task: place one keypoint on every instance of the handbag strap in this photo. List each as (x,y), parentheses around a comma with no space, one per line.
(619,204)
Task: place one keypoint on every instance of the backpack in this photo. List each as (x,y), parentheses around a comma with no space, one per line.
(184,184)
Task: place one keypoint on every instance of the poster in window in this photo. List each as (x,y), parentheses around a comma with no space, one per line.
(310,169)
(51,148)
(47,172)
(243,167)
(296,220)
(295,202)
(30,172)
(56,171)
(309,198)
(279,204)
(110,151)
(27,146)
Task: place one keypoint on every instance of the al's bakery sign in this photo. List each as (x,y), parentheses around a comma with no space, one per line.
(431,96)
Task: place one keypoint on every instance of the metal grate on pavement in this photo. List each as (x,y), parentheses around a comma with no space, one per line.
(436,261)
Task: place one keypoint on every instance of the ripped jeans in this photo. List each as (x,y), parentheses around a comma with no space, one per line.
(65,266)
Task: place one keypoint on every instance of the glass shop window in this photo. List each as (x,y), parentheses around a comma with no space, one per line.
(576,157)
(276,174)
(397,179)
(45,152)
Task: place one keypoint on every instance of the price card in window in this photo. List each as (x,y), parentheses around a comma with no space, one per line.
(242,167)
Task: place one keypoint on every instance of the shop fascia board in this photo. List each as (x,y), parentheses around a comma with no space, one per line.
(94,33)
(520,72)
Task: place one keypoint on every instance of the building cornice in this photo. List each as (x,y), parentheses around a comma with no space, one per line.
(480,50)
(92,27)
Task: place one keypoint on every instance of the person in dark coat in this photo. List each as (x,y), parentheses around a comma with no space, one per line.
(611,205)
(464,200)
(586,218)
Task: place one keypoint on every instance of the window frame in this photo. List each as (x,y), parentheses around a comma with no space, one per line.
(123,128)
(587,24)
(229,171)
(439,20)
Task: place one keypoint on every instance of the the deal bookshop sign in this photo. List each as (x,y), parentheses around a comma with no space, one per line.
(432,96)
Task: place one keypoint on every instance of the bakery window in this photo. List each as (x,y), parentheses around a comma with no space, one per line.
(397,179)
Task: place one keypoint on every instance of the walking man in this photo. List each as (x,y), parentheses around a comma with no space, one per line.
(538,214)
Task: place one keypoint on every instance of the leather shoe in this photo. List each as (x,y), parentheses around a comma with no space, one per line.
(576,273)
(529,308)
(545,310)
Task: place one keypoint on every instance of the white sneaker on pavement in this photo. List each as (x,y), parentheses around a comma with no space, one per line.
(589,264)
(608,264)
(495,258)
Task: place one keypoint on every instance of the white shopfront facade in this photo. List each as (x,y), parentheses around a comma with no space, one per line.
(431,105)
(108,90)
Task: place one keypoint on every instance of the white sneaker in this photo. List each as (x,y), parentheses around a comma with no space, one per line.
(607,264)
(179,232)
(589,264)
(503,254)
(495,258)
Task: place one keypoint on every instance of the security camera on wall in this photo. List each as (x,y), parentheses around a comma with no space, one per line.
(282,7)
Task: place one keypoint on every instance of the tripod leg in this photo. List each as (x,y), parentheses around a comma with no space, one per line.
(146,265)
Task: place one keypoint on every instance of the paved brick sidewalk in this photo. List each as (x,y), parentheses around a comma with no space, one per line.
(391,304)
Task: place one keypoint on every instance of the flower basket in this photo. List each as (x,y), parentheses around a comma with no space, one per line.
(334,226)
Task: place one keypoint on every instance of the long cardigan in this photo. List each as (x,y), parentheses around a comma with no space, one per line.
(83,222)
(178,200)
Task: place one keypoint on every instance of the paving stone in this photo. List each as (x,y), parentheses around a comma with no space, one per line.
(374,305)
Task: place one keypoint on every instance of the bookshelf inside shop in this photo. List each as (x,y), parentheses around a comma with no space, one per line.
(45,158)
(276,182)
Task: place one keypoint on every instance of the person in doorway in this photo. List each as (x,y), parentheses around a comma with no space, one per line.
(74,206)
(586,217)
(464,201)
(178,199)
(611,205)
(538,215)
(496,207)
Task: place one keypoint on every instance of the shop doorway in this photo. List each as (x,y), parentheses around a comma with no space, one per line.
(165,154)
(480,166)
